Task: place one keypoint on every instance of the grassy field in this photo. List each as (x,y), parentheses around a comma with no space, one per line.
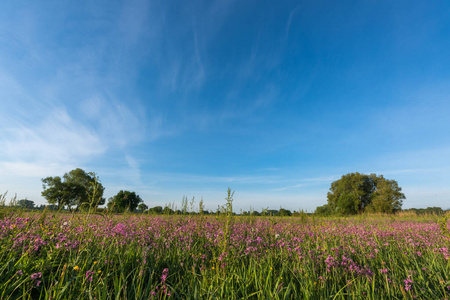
(80,256)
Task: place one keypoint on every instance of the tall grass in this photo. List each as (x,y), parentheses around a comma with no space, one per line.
(87,256)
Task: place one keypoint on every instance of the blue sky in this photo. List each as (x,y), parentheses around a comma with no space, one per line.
(273,99)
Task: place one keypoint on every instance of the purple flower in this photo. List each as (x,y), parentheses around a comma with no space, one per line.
(408,283)
(164,275)
(35,276)
(89,275)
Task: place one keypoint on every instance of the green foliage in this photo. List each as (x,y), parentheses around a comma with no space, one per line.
(168,211)
(386,197)
(25,203)
(251,212)
(184,205)
(350,194)
(323,210)
(443,225)
(269,212)
(283,213)
(192,204)
(146,257)
(357,193)
(201,207)
(142,207)
(302,215)
(76,188)
(429,210)
(124,201)
(227,210)
(156,210)
(7,208)
(58,192)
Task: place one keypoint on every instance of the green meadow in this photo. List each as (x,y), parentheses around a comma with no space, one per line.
(51,255)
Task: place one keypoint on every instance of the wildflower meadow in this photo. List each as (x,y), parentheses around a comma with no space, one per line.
(137,256)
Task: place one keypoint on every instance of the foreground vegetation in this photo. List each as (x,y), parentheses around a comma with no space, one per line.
(66,256)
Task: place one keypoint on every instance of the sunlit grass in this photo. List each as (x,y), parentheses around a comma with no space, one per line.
(63,256)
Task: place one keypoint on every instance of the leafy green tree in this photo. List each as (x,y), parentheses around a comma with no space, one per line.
(271,212)
(93,190)
(387,196)
(168,211)
(25,203)
(124,200)
(284,213)
(350,194)
(434,210)
(76,188)
(355,193)
(52,207)
(323,210)
(156,210)
(429,210)
(142,207)
(60,193)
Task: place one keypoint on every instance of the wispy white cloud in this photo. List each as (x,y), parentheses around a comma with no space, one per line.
(133,22)
(33,169)
(289,21)
(179,46)
(56,139)
(116,122)
(176,51)
(134,170)
(73,100)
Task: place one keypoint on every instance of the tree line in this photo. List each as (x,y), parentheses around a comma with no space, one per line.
(353,193)
(78,190)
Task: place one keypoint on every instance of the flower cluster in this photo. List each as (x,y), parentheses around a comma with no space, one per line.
(351,252)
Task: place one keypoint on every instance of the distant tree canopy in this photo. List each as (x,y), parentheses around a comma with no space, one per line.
(323,210)
(25,203)
(142,207)
(76,188)
(124,200)
(270,212)
(156,210)
(284,212)
(356,193)
(429,210)
(167,211)
(251,213)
